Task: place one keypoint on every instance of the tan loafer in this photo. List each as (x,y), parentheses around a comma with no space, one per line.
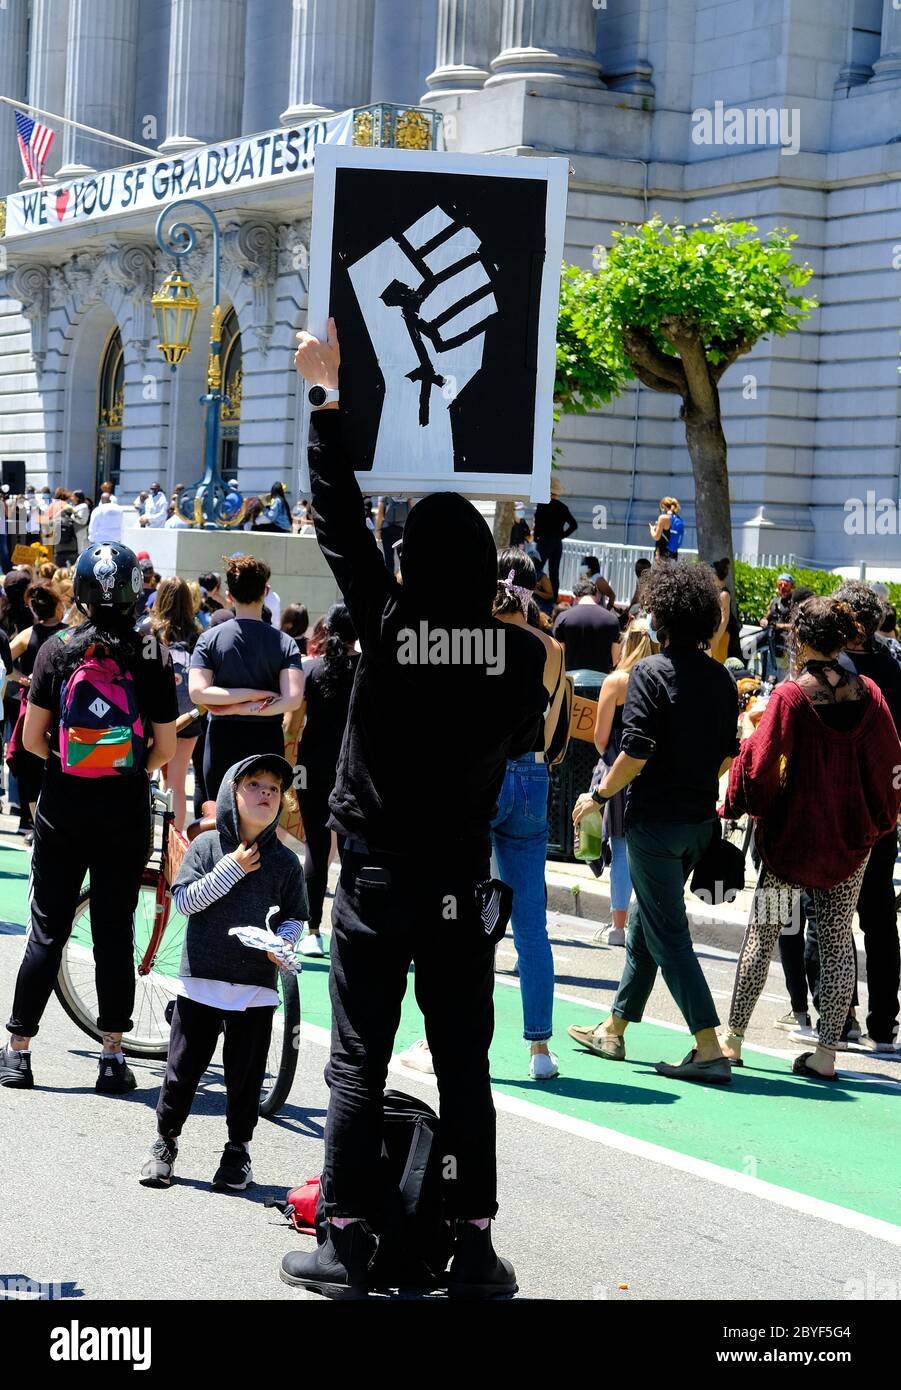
(598,1042)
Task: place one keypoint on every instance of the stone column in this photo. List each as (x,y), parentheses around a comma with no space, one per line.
(331,58)
(888,66)
(100,82)
(469,33)
(547,41)
(206,73)
(13,83)
(47,70)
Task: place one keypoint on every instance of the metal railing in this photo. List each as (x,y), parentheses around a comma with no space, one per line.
(617,563)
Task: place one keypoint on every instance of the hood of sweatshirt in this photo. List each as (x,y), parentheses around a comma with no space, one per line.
(449,560)
(228,822)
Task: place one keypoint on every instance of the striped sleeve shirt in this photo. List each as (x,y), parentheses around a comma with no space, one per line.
(203,892)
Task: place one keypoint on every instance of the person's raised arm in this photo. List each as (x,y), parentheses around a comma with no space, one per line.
(350,548)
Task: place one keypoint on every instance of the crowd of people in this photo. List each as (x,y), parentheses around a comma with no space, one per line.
(316,732)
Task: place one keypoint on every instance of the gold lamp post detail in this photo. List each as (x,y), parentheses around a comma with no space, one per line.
(175,305)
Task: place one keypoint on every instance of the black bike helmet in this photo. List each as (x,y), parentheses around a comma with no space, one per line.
(106,576)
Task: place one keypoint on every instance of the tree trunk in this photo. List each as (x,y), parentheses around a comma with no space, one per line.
(504,514)
(707,448)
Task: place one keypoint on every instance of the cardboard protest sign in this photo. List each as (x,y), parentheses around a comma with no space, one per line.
(442,272)
(581,721)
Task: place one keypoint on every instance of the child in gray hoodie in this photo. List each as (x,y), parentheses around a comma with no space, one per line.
(238,875)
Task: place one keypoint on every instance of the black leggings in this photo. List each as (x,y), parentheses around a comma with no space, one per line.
(105,830)
(229,741)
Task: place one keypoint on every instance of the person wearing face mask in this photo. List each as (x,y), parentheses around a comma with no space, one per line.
(415,881)
(679,734)
(520,531)
(590,569)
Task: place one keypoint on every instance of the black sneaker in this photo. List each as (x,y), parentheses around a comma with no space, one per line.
(339,1268)
(114,1077)
(15,1069)
(234,1171)
(157,1171)
(476,1271)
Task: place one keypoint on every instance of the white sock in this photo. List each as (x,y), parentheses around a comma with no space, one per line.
(111,1056)
(342,1221)
(483,1222)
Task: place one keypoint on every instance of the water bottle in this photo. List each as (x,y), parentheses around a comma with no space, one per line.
(588,835)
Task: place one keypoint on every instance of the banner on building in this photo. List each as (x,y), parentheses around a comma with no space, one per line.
(246,163)
(442,272)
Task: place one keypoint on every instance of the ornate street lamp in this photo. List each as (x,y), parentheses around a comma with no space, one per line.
(175,305)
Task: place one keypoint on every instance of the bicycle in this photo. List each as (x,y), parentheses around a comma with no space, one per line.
(158,931)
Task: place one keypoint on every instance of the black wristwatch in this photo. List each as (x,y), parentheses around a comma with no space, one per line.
(599,798)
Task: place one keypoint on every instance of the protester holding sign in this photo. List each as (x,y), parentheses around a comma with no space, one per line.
(415,883)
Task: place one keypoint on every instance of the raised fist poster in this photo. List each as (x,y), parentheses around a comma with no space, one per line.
(442,272)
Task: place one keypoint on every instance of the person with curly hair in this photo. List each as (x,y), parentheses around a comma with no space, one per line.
(876,910)
(679,735)
(818,775)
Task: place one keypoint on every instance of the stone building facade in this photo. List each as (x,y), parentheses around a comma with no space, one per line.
(785,112)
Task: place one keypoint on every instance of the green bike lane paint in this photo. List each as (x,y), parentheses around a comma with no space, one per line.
(836,1144)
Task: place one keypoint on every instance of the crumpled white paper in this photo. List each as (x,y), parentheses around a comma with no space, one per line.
(260,939)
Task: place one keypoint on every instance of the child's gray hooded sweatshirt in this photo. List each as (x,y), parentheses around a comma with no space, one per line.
(236,898)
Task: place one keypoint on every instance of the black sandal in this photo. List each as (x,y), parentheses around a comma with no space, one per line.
(800,1068)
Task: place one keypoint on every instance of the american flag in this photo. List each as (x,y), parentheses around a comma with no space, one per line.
(34,145)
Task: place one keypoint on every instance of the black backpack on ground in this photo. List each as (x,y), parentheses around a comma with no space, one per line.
(415,1242)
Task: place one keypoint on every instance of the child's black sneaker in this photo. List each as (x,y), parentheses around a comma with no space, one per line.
(339,1268)
(476,1271)
(234,1171)
(114,1077)
(157,1171)
(15,1069)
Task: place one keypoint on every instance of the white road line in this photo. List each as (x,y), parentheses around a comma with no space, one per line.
(667,1158)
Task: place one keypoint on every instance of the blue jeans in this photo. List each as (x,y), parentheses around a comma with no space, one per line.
(519,835)
(620,879)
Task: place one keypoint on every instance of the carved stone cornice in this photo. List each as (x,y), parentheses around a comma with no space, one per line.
(132,268)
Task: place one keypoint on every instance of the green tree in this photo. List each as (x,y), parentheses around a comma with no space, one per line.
(675,306)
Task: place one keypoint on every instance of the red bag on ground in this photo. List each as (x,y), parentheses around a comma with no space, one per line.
(300,1207)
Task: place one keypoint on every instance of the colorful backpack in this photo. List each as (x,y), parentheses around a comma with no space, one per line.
(100,729)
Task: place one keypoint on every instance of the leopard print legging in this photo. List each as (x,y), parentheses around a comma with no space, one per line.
(775,906)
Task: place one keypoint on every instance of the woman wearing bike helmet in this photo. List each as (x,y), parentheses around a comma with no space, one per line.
(101,714)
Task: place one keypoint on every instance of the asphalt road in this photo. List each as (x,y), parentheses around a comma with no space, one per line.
(580,1217)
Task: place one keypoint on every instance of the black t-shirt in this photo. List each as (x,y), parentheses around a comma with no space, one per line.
(248,654)
(681,714)
(152,675)
(326,717)
(554,521)
(588,631)
(884,671)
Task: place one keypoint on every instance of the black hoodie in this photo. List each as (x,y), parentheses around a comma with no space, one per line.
(426,743)
(209,952)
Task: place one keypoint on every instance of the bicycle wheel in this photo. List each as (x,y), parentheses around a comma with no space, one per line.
(281,1064)
(76,988)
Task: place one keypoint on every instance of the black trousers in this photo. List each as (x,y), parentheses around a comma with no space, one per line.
(82,828)
(228,741)
(387,915)
(879,924)
(800,957)
(314,809)
(390,536)
(192,1042)
(551,552)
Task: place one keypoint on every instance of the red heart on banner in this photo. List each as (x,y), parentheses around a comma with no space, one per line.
(62,199)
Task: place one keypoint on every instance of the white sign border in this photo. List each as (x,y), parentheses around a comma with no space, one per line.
(554,171)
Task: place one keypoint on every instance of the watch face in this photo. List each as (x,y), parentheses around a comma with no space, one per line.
(317,395)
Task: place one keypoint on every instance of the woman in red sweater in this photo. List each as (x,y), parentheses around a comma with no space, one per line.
(821,777)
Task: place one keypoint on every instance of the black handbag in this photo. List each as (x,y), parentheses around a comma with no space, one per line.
(719,874)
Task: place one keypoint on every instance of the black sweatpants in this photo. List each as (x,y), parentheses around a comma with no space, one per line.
(387,914)
(101,827)
(192,1042)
